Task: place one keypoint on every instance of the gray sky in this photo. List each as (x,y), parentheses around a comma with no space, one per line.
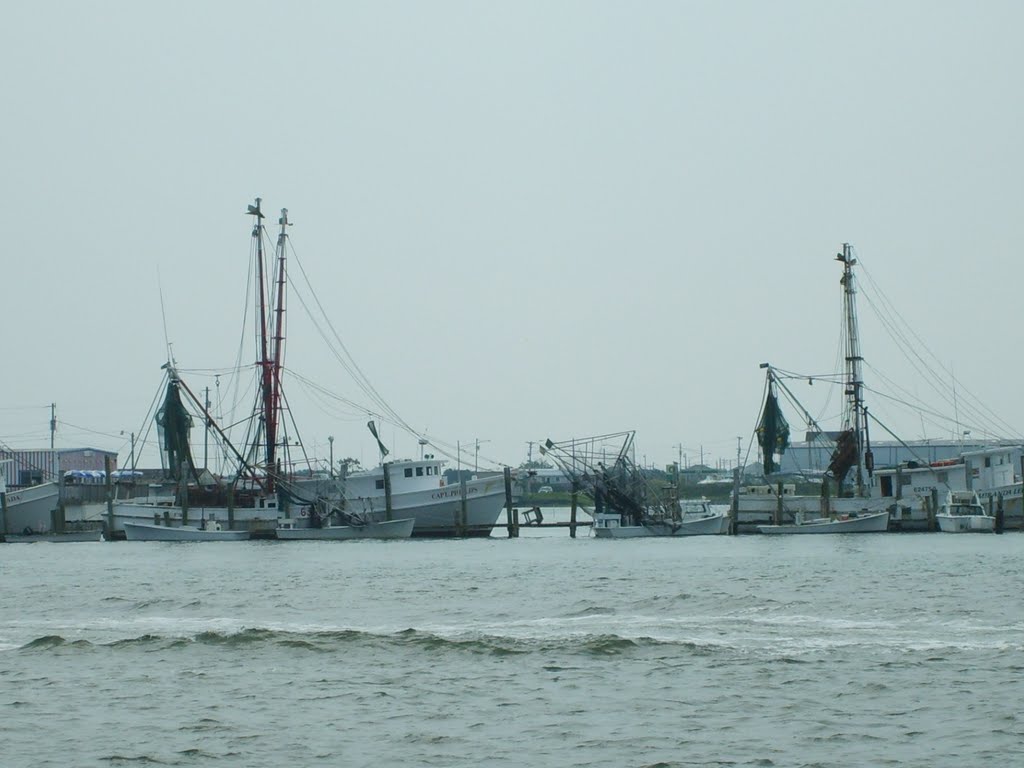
(525,219)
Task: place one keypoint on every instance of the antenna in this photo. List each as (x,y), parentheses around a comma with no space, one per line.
(163,316)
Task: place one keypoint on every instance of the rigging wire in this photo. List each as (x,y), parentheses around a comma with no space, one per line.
(909,341)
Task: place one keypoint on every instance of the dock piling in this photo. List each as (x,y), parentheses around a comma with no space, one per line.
(511,516)
(110,496)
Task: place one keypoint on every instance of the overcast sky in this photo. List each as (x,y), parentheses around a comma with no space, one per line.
(525,220)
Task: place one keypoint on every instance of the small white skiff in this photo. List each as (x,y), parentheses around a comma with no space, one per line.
(873,522)
(385,529)
(146,532)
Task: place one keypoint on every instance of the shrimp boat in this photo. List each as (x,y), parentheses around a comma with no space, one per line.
(963,512)
(851,511)
(262,482)
(269,494)
(627,505)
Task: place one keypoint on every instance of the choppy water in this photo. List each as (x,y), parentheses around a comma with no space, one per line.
(898,650)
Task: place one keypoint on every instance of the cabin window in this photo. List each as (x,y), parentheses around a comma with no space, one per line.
(380,484)
(430,470)
(408,471)
(29,477)
(988,461)
(419,471)
(437,469)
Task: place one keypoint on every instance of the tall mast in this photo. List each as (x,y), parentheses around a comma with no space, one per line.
(278,339)
(265,362)
(854,380)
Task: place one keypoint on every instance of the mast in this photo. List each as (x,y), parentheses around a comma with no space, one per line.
(278,338)
(265,361)
(854,380)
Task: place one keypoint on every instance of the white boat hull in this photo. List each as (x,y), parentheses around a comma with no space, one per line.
(73,536)
(621,532)
(30,510)
(873,523)
(386,529)
(438,511)
(435,511)
(966,523)
(141,513)
(711,525)
(144,532)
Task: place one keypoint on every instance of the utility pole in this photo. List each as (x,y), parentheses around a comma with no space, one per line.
(53,423)
(529,454)
(330,440)
(476,452)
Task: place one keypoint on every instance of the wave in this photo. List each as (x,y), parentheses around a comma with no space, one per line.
(591,633)
(328,641)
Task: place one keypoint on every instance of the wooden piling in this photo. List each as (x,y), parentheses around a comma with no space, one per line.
(108,485)
(1000,515)
(3,513)
(463,506)
(387,490)
(513,529)
(778,504)
(734,503)
(572,509)
(231,507)
(183,491)
(59,515)
(932,503)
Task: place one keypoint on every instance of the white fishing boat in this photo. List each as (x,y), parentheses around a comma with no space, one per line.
(27,510)
(963,512)
(870,522)
(291,530)
(209,531)
(697,519)
(419,491)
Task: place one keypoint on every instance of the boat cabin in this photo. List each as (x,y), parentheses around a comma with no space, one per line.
(972,470)
(406,475)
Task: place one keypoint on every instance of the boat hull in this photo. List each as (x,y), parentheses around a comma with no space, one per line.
(73,536)
(246,519)
(711,525)
(874,523)
(30,510)
(437,512)
(143,532)
(966,523)
(386,529)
